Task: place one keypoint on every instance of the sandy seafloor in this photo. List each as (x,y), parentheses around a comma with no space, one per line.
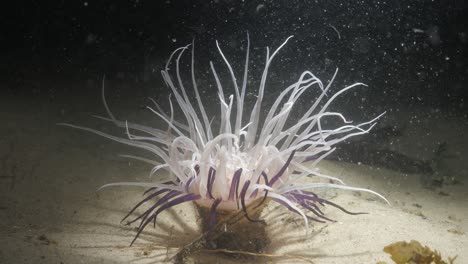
(50,211)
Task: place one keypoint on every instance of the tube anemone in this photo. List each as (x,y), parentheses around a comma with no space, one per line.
(244,162)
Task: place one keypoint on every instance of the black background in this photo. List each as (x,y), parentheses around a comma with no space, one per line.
(409,52)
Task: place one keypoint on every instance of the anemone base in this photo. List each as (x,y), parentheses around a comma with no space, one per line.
(234,233)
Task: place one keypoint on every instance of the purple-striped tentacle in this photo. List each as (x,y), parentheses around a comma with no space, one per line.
(149,197)
(308,203)
(182,199)
(283,203)
(309,199)
(315,207)
(213,214)
(149,190)
(255,192)
(301,196)
(311,203)
(163,199)
(314,198)
(341,208)
(314,219)
(235,185)
(265,178)
(310,158)
(282,170)
(242,198)
(187,185)
(309,194)
(211,179)
(154,188)
(308,207)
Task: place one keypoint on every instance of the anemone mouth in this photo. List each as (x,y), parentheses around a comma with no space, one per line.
(244,162)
